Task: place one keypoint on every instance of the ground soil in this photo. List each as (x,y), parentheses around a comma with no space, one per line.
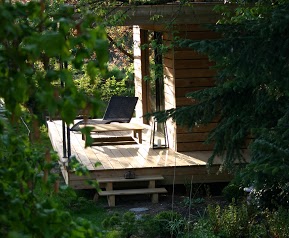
(179,202)
(175,200)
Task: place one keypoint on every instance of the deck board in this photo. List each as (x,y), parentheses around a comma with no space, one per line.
(129,155)
(93,157)
(78,150)
(120,156)
(115,159)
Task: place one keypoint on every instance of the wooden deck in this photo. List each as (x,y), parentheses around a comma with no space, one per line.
(113,160)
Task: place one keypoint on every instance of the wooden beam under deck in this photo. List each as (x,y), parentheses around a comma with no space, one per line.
(114,160)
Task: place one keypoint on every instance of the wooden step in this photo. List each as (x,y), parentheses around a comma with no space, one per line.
(133,191)
(136,179)
(112,193)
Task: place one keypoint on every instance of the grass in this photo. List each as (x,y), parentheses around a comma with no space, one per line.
(86,208)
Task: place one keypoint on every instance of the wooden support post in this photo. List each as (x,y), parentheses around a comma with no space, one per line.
(96,197)
(154,196)
(110,193)
(138,134)
(152,184)
(134,134)
(110,198)
(109,186)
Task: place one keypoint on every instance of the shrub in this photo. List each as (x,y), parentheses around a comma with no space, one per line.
(271,196)
(268,170)
(201,229)
(115,82)
(234,191)
(124,226)
(230,221)
(148,227)
(113,87)
(278,222)
(113,234)
(240,221)
(178,227)
(257,229)
(165,221)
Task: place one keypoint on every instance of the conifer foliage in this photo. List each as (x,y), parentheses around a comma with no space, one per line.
(251,94)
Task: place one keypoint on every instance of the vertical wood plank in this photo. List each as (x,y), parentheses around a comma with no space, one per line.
(152,184)
(155,198)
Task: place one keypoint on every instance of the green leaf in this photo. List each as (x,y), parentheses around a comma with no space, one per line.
(54,45)
(86,131)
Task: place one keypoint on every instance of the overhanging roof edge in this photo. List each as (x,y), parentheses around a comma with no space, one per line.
(197,13)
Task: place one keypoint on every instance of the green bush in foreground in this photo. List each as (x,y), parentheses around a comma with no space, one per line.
(240,221)
(38,40)
(231,221)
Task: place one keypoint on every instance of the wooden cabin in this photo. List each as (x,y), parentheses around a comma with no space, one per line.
(183,71)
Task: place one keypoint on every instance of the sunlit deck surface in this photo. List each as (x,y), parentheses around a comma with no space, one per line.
(112,160)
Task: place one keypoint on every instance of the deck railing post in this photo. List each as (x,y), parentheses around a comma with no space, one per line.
(68,143)
(64,139)
(63,123)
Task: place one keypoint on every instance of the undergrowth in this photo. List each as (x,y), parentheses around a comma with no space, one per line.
(231,221)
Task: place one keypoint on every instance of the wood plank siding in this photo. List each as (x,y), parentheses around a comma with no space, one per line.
(188,71)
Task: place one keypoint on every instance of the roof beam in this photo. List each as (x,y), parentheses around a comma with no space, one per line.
(168,14)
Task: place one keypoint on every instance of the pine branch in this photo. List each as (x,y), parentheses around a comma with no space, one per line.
(121,49)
